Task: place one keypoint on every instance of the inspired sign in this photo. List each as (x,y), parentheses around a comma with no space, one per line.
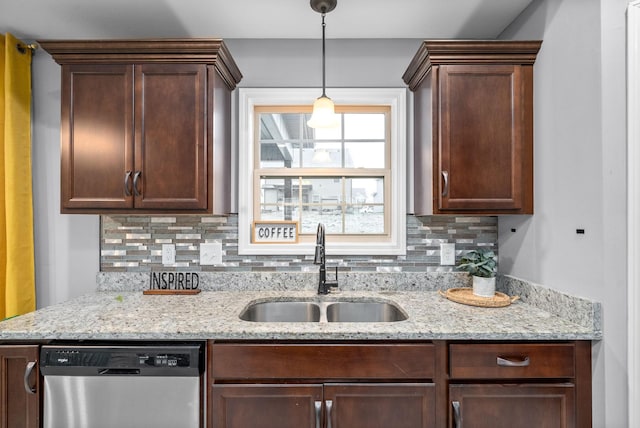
(173,283)
(275,232)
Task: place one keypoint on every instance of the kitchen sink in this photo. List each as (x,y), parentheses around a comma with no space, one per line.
(281,312)
(323,311)
(364,312)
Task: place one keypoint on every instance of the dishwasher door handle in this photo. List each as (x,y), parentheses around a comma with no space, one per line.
(119,372)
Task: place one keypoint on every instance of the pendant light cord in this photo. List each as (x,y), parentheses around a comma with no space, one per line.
(323,59)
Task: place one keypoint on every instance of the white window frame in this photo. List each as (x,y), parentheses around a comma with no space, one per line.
(395,98)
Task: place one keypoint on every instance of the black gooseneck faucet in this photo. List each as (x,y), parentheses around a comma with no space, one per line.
(320,259)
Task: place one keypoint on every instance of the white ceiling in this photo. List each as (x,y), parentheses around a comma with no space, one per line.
(77,19)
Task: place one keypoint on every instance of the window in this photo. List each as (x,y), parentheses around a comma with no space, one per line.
(350,178)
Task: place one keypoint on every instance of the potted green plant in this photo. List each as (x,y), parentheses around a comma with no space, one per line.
(481,265)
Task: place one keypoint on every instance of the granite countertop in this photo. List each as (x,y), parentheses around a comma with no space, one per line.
(130,315)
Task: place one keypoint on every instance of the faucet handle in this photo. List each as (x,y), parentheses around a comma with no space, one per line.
(333,283)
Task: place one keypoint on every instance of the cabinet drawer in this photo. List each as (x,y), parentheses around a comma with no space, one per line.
(512,361)
(234,361)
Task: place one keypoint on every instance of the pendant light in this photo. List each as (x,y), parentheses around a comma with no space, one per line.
(323,115)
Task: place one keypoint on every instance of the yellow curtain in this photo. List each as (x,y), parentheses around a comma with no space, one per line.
(17,286)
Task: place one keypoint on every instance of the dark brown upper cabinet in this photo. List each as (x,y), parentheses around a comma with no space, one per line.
(145,125)
(473,140)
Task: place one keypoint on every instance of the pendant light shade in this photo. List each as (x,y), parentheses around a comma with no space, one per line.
(324,115)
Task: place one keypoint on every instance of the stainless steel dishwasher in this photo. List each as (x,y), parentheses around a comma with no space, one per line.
(121,386)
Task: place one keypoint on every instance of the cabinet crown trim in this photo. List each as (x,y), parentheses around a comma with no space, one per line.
(127,51)
(437,52)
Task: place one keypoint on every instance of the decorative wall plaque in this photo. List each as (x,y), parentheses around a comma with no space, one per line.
(275,232)
(173,283)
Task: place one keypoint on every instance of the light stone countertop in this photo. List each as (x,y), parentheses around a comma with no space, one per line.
(130,315)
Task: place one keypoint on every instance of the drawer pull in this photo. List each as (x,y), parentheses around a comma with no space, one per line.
(513,362)
(456,413)
(329,404)
(318,406)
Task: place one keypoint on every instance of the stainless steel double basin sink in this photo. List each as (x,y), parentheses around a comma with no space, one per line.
(323,311)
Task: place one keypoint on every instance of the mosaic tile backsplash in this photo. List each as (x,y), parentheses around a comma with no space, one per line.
(134,244)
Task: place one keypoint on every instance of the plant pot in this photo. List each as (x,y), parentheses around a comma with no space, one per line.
(484,287)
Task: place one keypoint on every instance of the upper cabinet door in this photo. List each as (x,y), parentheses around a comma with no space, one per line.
(171,147)
(481,144)
(473,137)
(97,136)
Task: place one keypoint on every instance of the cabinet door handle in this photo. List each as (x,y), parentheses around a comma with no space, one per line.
(127,181)
(27,373)
(136,177)
(318,406)
(513,362)
(456,414)
(329,404)
(445,188)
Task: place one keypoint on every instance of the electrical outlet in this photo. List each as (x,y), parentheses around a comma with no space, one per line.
(447,254)
(168,254)
(211,254)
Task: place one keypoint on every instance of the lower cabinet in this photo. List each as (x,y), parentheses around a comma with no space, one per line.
(430,384)
(511,384)
(19,386)
(508,406)
(330,405)
(322,385)
(439,384)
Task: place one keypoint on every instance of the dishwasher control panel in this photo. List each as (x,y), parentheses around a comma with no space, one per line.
(121,360)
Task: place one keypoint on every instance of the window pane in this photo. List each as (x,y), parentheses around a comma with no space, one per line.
(364,155)
(279,198)
(363,191)
(322,203)
(284,127)
(279,155)
(323,155)
(364,219)
(325,133)
(330,216)
(282,139)
(325,191)
(369,126)
(365,205)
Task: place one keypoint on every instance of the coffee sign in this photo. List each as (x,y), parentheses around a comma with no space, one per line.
(275,232)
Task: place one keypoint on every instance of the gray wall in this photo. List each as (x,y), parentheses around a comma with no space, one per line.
(298,63)
(579,177)
(66,247)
